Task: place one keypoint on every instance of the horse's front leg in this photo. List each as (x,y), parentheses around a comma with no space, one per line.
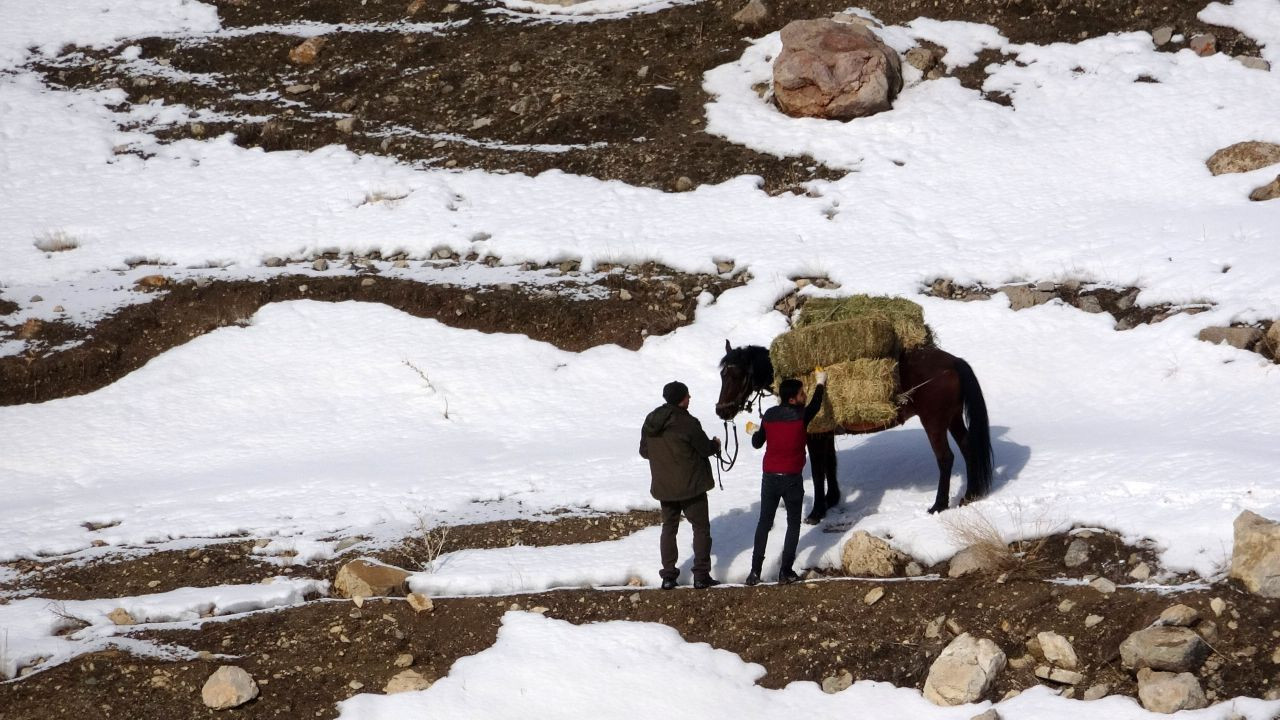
(941,451)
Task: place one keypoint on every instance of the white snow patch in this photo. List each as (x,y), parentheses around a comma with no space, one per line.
(1257,19)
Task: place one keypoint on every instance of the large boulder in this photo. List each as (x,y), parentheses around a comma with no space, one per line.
(228,687)
(1163,647)
(1255,558)
(867,555)
(362,578)
(1244,157)
(833,70)
(964,671)
(1166,692)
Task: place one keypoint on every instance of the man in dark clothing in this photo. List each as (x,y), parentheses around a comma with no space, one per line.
(677,449)
(783,429)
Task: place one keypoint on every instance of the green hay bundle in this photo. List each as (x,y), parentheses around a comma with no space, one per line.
(799,351)
(907,317)
(859,392)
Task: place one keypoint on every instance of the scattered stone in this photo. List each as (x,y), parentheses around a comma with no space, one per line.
(874,596)
(836,683)
(1203,44)
(406,681)
(933,629)
(420,602)
(1140,572)
(989,714)
(1275,657)
(624,294)
(867,555)
(833,70)
(1103,585)
(1077,553)
(1253,62)
(1166,692)
(345,543)
(1058,675)
(228,687)
(913,569)
(367,282)
(1162,647)
(1089,304)
(37,298)
(415,7)
(1217,605)
(922,59)
(120,616)
(1057,650)
(1162,35)
(1179,616)
(480,123)
(1255,556)
(1066,606)
(1097,692)
(973,559)
(1270,191)
(307,51)
(1022,297)
(147,282)
(753,13)
(684,184)
(369,579)
(725,267)
(273,262)
(1243,157)
(345,126)
(59,309)
(964,671)
(1092,620)
(298,89)
(1237,337)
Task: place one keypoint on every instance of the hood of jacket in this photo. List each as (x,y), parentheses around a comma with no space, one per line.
(659,419)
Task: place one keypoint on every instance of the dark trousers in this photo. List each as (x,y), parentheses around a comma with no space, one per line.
(790,490)
(696,512)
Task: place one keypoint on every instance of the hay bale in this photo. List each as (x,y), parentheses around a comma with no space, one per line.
(907,317)
(859,392)
(797,352)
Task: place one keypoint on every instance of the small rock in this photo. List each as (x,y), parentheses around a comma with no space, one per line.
(1243,157)
(934,628)
(753,13)
(228,687)
(964,671)
(367,282)
(420,602)
(273,262)
(867,555)
(1022,297)
(1077,553)
(1270,191)
(345,126)
(368,579)
(913,569)
(1203,44)
(59,309)
(1179,616)
(1092,620)
(1162,35)
(1174,649)
(1237,337)
(406,681)
(1208,630)
(624,294)
(1058,675)
(404,660)
(1275,657)
(120,616)
(1166,692)
(1057,650)
(1066,606)
(1253,63)
(684,184)
(973,559)
(1097,692)
(479,123)
(1140,572)
(30,328)
(1103,585)
(724,267)
(355,684)
(1255,555)
(153,583)
(922,59)
(1046,286)
(874,596)
(150,282)
(989,714)
(1217,605)
(345,543)
(307,51)
(836,683)
(299,89)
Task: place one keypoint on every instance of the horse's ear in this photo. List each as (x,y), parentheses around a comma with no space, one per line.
(727,346)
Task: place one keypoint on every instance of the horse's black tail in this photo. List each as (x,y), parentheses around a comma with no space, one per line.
(978,457)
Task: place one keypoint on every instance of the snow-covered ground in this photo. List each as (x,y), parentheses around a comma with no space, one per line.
(308,424)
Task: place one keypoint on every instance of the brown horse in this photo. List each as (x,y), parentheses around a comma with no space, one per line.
(938,387)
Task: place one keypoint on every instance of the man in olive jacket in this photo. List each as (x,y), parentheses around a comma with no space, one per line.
(677,449)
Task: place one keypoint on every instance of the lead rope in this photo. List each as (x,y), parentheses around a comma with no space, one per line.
(726,458)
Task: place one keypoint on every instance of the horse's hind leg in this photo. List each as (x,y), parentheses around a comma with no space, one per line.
(818,466)
(834,496)
(961,435)
(937,432)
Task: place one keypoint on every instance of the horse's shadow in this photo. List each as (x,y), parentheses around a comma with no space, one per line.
(876,464)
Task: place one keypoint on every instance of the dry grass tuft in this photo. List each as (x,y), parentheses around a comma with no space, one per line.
(970,528)
(56,241)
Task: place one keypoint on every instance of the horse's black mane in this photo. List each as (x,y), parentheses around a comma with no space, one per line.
(754,359)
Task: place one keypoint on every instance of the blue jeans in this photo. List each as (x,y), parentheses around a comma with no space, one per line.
(790,490)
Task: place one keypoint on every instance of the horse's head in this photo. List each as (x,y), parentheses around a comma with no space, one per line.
(742,371)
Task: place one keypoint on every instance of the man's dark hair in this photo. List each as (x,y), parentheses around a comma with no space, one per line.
(789,389)
(675,391)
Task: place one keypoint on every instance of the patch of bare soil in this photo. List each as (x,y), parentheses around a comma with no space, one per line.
(314,655)
(620,99)
(236,562)
(1120,303)
(649,301)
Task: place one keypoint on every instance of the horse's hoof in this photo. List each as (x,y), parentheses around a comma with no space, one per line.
(937,509)
(813,520)
(833,501)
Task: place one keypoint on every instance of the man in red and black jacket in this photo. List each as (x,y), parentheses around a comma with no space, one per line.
(783,432)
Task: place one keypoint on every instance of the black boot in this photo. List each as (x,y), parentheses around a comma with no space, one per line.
(668,583)
(754,578)
(786,577)
(704,582)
